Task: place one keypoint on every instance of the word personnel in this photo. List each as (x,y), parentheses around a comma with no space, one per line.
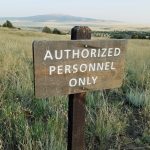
(67,67)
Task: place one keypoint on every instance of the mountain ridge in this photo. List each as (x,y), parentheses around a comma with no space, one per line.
(54,17)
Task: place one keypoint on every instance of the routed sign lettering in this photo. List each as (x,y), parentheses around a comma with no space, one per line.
(67,67)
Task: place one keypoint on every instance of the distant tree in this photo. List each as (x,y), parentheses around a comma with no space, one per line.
(46,30)
(8,24)
(56,31)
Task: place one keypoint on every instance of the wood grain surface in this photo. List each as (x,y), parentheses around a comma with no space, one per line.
(58,84)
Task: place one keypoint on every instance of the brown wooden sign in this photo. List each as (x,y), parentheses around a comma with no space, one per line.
(68,67)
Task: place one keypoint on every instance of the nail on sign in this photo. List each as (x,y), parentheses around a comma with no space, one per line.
(68,67)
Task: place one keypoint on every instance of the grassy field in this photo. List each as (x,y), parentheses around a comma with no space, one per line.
(94,25)
(116,119)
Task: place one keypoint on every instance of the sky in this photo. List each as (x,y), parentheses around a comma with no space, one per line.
(134,11)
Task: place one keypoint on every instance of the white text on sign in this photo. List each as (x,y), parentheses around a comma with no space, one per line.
(75,68)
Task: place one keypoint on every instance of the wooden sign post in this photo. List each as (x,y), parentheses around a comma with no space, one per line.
(76,105)
(75,67)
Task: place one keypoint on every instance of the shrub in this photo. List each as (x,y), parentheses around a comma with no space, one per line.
(135,36)
(8,24)
(123,34)
(56,31)
(46,30)
(138,98)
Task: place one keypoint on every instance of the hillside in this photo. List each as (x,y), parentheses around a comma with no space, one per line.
(51,17)
(119,117)
(55,20)
(66,22)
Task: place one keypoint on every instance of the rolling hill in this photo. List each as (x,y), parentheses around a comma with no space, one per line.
(51,17)
(66,22)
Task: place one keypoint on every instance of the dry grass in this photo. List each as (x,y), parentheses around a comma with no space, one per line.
(118,119)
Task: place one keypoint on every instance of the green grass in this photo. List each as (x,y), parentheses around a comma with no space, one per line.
(115,119)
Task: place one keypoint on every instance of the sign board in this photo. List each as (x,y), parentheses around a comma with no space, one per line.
(68,67)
